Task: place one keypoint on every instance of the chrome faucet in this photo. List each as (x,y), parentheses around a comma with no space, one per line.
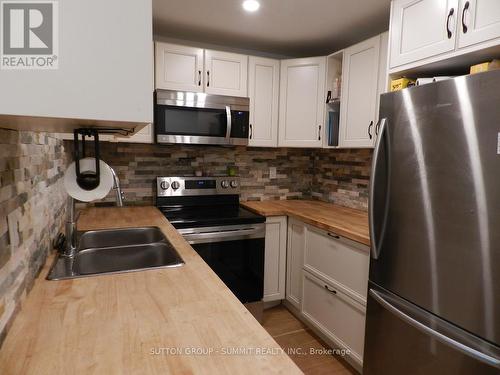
(118,191)
(72,217)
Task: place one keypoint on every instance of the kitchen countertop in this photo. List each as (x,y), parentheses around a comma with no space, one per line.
(117,324)
(346,222)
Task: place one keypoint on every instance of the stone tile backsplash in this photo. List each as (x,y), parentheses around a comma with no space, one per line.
(33,200)
(32,208)
(342,176)
(138,165)
(338,176)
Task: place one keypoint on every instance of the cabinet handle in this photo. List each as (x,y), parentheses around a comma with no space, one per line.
(199,77)
(334,235)
(208,78)
(251,131)
(319,132)
(369,130)
(450,14)
(330,290)
(464,26)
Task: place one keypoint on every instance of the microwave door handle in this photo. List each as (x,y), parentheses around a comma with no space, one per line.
(228,130)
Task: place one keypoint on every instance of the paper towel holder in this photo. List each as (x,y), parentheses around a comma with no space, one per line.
(87,180)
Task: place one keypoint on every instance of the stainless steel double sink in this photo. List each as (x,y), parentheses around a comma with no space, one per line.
(115,251)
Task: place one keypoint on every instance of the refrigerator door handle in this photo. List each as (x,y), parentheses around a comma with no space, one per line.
(474,353)
(382,125)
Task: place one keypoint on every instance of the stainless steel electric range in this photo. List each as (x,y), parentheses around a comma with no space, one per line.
(206,211)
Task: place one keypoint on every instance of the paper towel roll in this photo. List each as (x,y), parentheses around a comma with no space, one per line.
(88,165)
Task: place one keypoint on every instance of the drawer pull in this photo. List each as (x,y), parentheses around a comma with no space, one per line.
(334,235)
(330,290)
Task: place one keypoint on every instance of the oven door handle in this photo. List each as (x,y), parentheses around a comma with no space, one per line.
(225,235)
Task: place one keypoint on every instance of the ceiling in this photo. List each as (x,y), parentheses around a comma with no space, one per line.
(284,27)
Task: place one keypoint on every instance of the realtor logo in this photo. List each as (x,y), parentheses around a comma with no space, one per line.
(29,34)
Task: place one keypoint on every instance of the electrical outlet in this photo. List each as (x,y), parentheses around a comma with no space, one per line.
(272,172)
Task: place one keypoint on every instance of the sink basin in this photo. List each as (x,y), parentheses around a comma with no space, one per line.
(116,251)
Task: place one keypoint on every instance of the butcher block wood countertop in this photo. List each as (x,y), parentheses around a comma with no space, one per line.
(141,322)
(347,222)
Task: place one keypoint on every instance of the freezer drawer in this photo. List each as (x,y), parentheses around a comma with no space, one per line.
(404,339)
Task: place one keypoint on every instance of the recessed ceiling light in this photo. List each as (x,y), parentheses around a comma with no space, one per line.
(251,5)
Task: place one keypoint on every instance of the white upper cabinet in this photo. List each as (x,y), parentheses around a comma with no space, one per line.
(263,90)
(302,102)
(421,29)
(193,69)
(104,73)
(359,94)
(145,135)
(479,21)
(226,73)
(179,67)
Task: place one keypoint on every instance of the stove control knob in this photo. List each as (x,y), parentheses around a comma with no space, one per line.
(176,185)
(224,184)
(164,185)
(234,184)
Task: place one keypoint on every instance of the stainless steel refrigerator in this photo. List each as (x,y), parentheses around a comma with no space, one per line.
(434,291)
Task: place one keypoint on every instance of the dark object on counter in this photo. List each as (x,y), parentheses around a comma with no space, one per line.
(59,243)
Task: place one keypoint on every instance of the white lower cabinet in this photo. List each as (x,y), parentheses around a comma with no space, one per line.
(295,261)
(340,318)
(275,259)
(340,261)
(327,280)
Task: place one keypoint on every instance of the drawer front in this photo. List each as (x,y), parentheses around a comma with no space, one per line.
(338,260)
(337,315)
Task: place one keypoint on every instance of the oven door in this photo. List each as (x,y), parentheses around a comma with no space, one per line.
(181,124)
(236,254)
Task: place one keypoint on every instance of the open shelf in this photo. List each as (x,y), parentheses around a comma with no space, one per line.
(333,94)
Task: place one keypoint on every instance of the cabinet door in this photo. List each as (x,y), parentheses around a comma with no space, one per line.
(421,28)
(263,90)
(179,67)
(275,259)
(302,102)
(359,94)
(479,21)
(226,73)
(295,261)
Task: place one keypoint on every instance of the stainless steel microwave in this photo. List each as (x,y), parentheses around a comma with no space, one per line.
(199,118)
